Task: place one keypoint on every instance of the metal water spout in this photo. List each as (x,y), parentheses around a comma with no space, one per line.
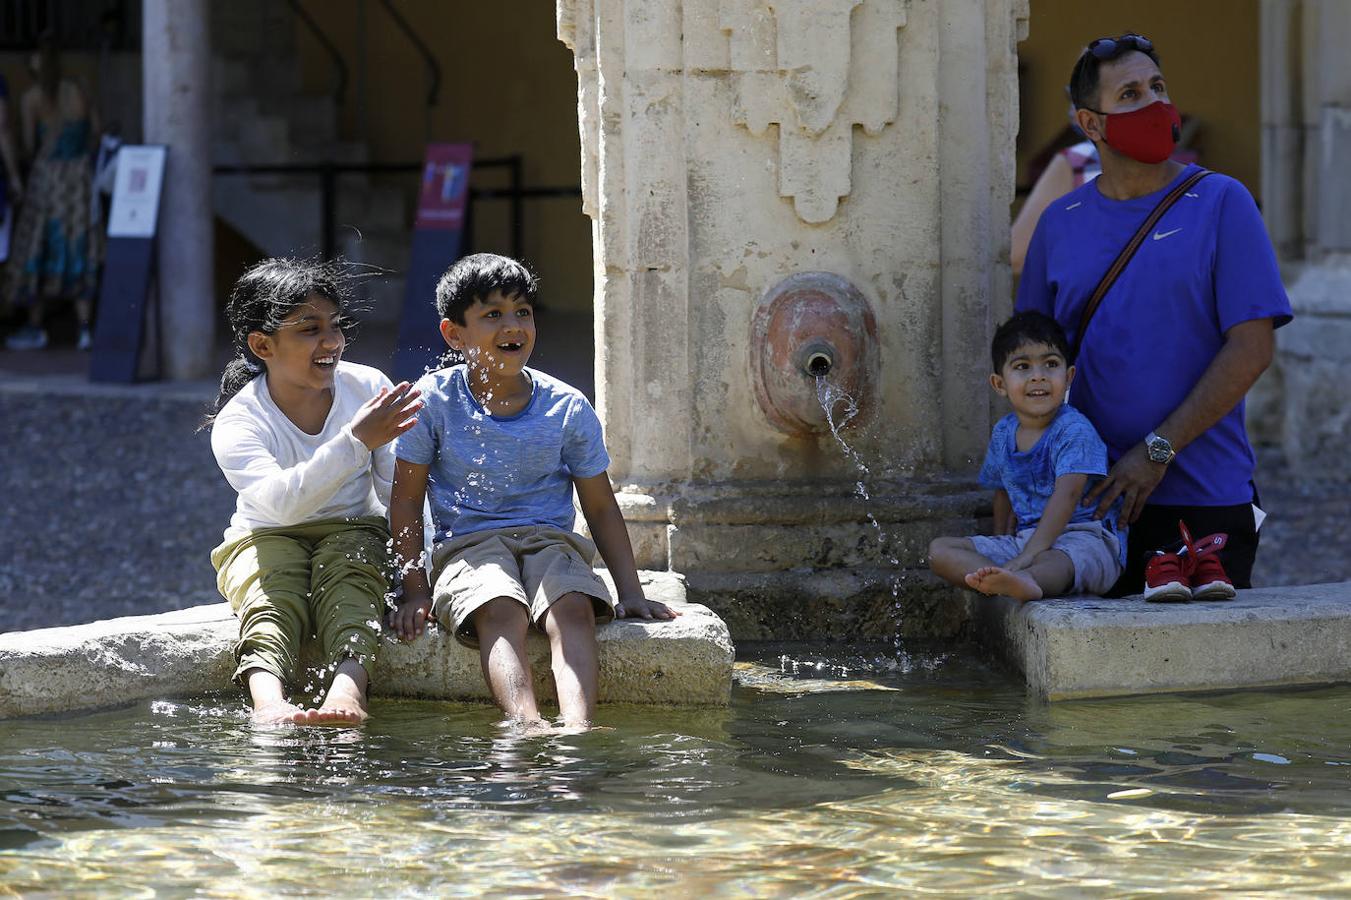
(811,326)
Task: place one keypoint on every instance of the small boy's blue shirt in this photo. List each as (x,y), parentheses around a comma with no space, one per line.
(491,471)
(1069,445)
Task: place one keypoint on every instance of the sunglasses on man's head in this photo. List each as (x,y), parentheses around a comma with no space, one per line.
(1109,48)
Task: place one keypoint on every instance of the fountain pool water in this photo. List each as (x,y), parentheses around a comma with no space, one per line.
(833,773)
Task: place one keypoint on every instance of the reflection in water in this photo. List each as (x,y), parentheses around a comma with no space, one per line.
(841,771)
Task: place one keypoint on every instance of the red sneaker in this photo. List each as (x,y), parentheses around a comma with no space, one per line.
(1166,578)
(1208,580)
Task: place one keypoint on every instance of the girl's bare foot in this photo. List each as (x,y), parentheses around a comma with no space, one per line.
(344,705)
(278,713)
(991,580)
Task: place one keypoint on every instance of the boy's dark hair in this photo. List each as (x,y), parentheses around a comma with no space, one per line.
(473,278)
(1027,328)
(1084,78)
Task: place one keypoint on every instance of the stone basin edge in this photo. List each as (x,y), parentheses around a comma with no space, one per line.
(188,652)
(1089,648)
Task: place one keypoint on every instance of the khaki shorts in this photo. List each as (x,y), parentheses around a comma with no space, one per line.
(532,565)
(1094,551)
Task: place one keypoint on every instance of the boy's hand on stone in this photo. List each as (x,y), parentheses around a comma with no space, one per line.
(643,608)
(386,415)
(410,619)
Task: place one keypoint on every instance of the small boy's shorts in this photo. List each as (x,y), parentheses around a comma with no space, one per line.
(1094,551)
(534,565)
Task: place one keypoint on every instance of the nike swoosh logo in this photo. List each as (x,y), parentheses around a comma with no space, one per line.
(1160,235)
(1193,196)
(1073,205)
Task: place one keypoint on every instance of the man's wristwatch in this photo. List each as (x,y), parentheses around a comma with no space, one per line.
(1160,451)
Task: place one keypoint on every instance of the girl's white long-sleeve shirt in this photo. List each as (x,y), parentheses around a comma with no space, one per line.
(287,477)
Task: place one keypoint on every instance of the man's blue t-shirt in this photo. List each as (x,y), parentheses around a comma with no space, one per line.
(1068,446)
(1207,266)
(502,471)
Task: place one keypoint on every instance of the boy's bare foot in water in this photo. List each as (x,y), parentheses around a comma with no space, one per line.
(991,580)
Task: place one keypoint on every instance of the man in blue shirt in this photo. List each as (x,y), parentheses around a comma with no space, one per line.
(1183,333)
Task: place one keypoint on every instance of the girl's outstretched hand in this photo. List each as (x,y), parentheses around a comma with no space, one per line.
(386,415)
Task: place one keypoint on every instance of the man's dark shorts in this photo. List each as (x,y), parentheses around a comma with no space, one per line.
(1156,529)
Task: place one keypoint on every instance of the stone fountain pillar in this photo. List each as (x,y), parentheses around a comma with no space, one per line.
(1306,155)
(857,155)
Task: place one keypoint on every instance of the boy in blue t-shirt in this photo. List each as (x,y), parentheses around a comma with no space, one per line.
(1039,463)
(498,449)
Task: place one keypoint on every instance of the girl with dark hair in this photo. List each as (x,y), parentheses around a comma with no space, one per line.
(304,437)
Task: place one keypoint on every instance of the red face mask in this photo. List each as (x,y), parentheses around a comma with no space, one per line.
(1146,135)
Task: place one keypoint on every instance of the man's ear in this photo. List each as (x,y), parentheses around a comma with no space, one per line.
(260,344)
(997,382)
(1090,124)
(450,333)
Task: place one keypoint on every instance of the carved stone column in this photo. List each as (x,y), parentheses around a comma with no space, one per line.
(1306,146)
(177,67)
(732,149)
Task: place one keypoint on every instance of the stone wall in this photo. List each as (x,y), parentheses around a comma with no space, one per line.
(1306,154)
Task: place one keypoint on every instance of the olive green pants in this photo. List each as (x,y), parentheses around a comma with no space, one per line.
(325,578)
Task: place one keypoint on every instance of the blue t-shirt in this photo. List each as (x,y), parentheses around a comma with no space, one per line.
(502,471)
(1207,267)
(1068,446)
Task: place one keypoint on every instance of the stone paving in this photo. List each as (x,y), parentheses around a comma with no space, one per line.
(110,503)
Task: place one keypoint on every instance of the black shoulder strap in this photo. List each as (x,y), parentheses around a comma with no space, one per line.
(1119,264)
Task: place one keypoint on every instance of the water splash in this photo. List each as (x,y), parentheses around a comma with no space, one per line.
(831,397)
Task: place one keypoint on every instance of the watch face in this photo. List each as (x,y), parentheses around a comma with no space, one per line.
(1159,451)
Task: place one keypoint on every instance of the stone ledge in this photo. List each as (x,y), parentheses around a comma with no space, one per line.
(843,604)
(686,662)
(1087,647)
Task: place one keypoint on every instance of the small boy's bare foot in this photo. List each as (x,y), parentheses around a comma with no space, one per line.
(280,713)
(991,580)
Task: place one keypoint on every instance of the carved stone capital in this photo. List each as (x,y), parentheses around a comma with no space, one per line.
(815,68)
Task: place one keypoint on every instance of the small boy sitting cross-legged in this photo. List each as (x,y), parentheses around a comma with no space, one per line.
(1040,462)
(499,449)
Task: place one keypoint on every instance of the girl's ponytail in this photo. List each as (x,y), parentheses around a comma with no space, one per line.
(238,373)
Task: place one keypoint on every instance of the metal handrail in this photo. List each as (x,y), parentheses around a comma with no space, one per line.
(516,191)
(433,66)
(339,64)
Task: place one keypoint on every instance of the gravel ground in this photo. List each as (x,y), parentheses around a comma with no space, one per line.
(111,504)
